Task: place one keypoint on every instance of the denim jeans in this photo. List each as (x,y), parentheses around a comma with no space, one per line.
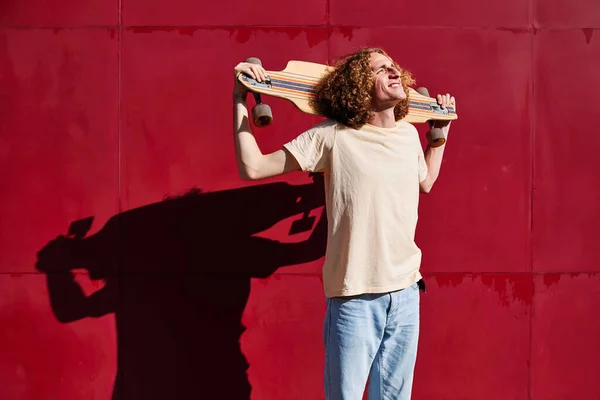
(371,338)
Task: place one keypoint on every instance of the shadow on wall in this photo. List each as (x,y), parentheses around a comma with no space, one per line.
(177,276)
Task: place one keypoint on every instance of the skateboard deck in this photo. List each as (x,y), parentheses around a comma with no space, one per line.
(297,81)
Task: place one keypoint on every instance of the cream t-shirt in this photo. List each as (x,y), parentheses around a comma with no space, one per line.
(372,180)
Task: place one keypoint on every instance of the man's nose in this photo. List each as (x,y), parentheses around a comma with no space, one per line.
(393,71)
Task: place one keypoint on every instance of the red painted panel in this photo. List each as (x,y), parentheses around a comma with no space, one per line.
(284,343)
(472,13)
(43,358)
(474,340)
(565,334)
(190,12)
(567,14)
(220,276)
(57,13)
(479,207)
(58,136)
(566,212)
(177,131)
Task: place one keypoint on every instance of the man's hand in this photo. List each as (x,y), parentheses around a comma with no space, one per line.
(444,101)
(253,70)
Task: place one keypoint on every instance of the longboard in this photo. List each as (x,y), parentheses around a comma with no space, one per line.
(297,81)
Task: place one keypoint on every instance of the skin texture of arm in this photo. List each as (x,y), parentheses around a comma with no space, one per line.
(433,159)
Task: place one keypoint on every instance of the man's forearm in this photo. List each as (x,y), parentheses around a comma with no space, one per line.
(246,148)
(433,159)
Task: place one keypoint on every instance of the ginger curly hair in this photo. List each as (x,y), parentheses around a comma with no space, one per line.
(344,93)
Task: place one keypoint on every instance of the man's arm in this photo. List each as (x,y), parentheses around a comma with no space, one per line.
(434,155)
(252,163)
(433,159)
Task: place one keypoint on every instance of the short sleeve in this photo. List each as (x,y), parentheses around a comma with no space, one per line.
(312,147)
(422,164)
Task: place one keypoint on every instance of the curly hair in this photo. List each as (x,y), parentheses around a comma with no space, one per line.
(344,93)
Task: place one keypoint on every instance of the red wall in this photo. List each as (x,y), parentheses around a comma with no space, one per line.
(107,108)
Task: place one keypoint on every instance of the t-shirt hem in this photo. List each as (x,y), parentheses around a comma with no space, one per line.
(373,289)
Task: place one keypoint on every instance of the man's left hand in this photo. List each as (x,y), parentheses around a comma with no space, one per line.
(444,100)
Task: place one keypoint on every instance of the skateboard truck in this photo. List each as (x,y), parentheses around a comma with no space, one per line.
(253,82)
(436,108)
(436,135)
(261,113)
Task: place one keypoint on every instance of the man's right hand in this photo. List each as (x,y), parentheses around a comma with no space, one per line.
(253,70)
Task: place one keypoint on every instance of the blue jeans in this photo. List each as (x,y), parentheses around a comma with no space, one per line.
(371,337)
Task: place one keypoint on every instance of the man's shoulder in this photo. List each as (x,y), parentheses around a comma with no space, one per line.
(327,125)
(325,129)
(322,132)
(406,126)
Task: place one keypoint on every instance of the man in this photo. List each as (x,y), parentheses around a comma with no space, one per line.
(374,167)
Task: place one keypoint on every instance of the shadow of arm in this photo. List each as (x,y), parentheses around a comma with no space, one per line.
(69,302)
(259,257)
(309,250)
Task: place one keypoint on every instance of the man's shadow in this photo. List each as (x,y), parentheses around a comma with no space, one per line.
(177,276)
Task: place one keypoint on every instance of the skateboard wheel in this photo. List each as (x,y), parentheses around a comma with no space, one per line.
(423,91)
(436,137)
(262,115)
(254,60)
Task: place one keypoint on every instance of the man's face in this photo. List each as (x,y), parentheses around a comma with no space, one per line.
(387,87)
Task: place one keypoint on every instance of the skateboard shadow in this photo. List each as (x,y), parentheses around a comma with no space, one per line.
(177,276)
